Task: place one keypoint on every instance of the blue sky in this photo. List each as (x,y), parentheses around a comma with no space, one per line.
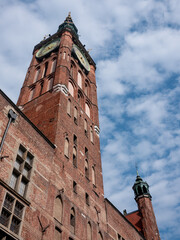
(136,46)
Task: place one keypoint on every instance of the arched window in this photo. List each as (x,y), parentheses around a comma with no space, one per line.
(45,69)
(58,209)
(71,88)
(89,231)
(66,147)
(72,220)
(85,127)
(93,176)
(79,79)
(100,236)
(75,115)
(74,156)
(53,65)
(91,134)
(36,74)
(86,169)
(87,109)
(69,107)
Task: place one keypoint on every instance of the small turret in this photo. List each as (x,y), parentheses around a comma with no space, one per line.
(143,199)
(141,188)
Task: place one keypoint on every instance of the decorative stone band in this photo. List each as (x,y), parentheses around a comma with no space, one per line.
(97,130)
(60,87)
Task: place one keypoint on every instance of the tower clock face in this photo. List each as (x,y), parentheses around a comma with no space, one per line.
(82,59)
(47,48)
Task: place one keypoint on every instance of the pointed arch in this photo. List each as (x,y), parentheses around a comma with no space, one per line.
(75,115)
(91,134)
(58,208)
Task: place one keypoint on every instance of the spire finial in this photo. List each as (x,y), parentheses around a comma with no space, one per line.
(136,166)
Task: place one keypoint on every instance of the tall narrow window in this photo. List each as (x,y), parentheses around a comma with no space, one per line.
(91,134)
(72,220)
(11,214)
(86,169)
(71,88)
(31,94)
(69,107)
(86,89)
(72,70)
(41,87)
(87,109)
(119,237)
(21,172)
(45,69)
(74,187)
(79,79)
(93,176)
(53,66)
(58,209)
(85,127)
(36,74)
(87,198)
(89,231)
(86,152)
(80,98)
(74,157)
(66,147)
(64,55)
(50,84)
(75,115)
(75,139)
(57,234)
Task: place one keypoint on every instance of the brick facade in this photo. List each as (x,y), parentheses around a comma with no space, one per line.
(40,131)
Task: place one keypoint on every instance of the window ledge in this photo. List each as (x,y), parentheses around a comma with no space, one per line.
(11,190)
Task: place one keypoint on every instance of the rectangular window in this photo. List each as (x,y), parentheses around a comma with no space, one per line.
(75,115)
(75,139)
(11,214)
(21,172)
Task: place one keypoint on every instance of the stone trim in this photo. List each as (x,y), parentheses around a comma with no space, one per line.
(60,87)
(97,130)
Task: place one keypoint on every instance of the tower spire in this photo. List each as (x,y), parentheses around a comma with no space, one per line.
(68,25)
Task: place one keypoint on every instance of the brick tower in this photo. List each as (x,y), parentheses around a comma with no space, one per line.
(51,184)
(143,199)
